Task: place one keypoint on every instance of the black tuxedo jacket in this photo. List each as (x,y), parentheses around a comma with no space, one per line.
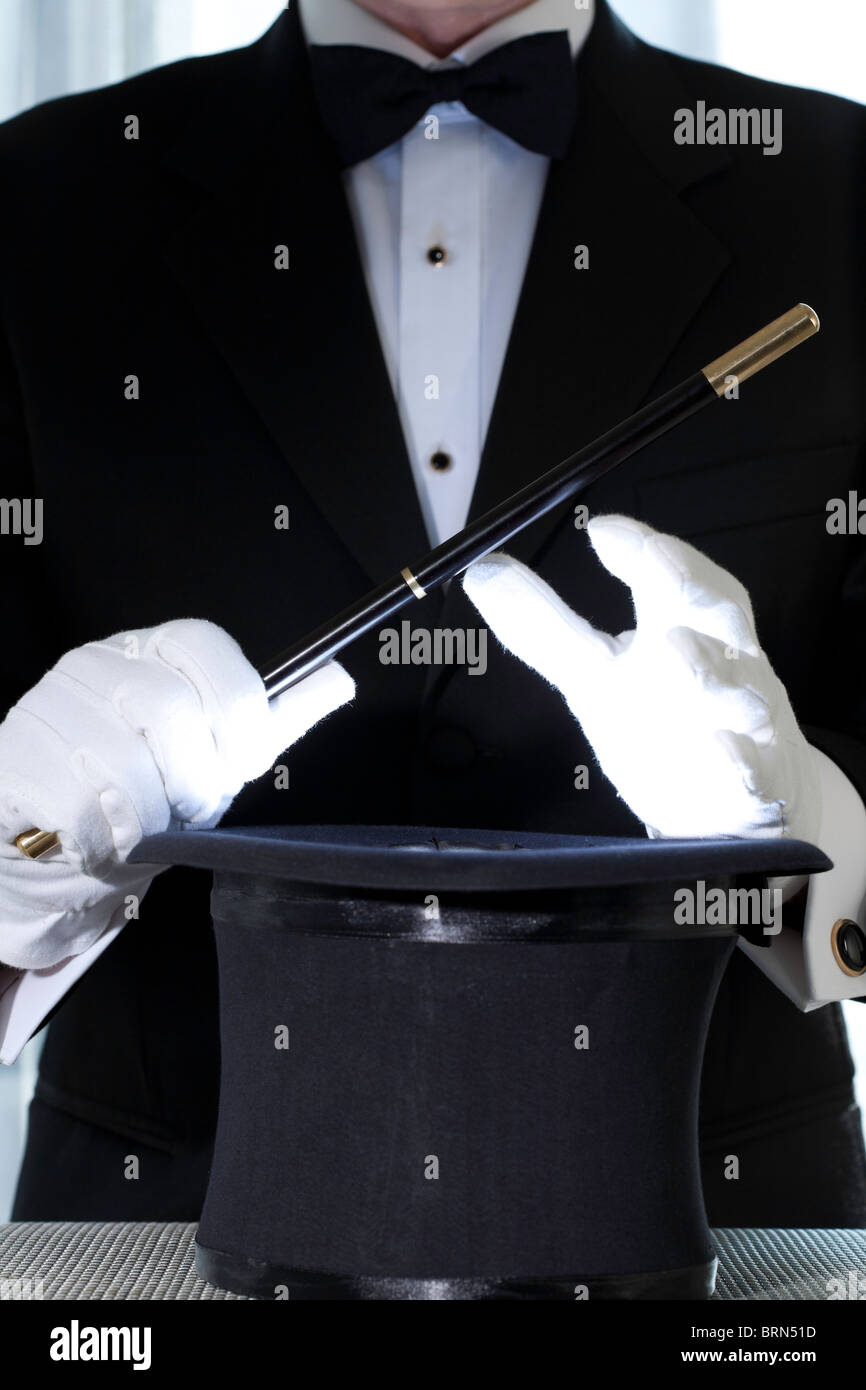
(259,387)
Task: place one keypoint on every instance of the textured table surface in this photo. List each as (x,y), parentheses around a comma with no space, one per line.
(154,1260)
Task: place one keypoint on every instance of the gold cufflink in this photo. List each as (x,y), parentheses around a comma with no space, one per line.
(36,843)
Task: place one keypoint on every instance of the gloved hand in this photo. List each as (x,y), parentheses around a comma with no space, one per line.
(146,731)
(684,713)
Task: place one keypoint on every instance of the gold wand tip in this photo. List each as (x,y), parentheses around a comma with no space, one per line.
(762,348)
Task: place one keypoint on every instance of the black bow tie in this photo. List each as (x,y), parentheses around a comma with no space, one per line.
(368,98)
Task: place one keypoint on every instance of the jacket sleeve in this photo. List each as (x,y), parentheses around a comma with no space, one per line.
(28,605)
(30,639)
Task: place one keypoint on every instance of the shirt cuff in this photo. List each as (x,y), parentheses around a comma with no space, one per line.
(803,965)
(28,996)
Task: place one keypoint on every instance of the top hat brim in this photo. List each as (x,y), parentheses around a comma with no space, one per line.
(397,857)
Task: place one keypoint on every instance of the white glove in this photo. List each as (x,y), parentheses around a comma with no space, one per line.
(147,731)
(685,714)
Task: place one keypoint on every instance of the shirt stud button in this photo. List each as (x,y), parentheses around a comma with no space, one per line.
(441,461)
(437,255)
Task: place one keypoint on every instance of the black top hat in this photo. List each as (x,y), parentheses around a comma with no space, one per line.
(465,1063)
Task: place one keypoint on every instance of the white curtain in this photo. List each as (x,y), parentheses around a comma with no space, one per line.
(50,47)
(684,26)
(792,41)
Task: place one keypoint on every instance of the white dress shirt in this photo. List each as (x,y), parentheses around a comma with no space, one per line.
(449,187)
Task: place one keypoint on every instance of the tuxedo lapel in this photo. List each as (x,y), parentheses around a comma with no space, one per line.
(587,344)
(301,341)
